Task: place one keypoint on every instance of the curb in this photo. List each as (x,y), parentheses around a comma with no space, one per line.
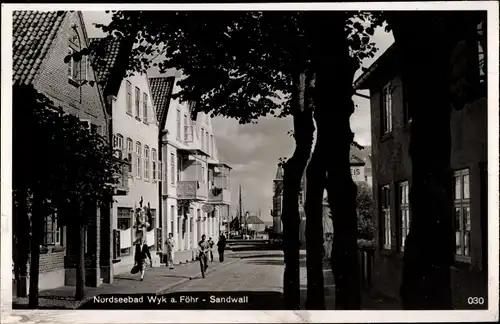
(180,282)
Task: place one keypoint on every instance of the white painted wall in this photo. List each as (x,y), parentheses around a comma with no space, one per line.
(183,133)
(146,133)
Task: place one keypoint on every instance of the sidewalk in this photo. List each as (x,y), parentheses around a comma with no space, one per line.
(157,280)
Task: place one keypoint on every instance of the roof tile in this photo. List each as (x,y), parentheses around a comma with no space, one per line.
(32,35)
(110,48)
(161,90)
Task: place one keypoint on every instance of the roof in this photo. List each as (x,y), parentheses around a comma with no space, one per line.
(32,35)
(110,48)
(161,91)
(253,220)
(363,81)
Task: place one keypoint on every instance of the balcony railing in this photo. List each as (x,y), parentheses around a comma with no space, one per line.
(218,195)
(191,190)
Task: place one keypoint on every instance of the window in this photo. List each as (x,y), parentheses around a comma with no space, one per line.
(386,215)
(203,139)
(186,131)
(138,152)
(154,158)
(130,150)
(145,107)
(172,168)
(129,97)
(146,162)
(179,167)
(118,144)
(406,106)
(404,211)
(172,215)
(160,170)
(212,152)
(178,124)
(387,109)
(206,142)
(51,231)
(137,103)
(481,50)
(462,224)
(72,73)
(124,217)
(202,174)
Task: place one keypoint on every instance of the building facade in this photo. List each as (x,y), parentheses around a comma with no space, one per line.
(196,192)
(135,139)
(392,178)
(359,172)
(41,41)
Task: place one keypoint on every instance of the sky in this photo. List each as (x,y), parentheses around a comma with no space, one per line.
(253,150)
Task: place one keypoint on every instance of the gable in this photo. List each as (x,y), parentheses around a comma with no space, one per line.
(51,75)
(33,33)
(161,91)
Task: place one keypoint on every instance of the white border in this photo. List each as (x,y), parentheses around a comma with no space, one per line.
(82,316)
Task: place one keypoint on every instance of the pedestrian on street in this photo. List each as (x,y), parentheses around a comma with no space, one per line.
(170,242)
(211,244)
(140,257)
(221,246)
(204,247)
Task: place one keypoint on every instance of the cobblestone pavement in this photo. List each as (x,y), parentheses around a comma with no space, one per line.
(256,271)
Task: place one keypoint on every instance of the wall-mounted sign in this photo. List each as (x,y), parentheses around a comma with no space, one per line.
(358,174)
(208,208)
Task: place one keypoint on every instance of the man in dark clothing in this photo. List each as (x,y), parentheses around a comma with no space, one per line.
(221,245)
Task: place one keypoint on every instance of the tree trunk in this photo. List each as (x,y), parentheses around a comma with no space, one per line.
(38,218)
(316,181)
(293,170)
(335,73)
(429,246)
(80,257)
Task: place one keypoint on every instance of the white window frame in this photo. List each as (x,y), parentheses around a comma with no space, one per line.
(138,153)
(404,212)
(462,222)
(118,141)
(178,121)
(130,156)
(146,163)
(145,107)
(386,216)
(172,169)
(56,231)
(128,97)
(202,139)
(481,55)
(202,174)
(387,108)
(154,164)
(186,130)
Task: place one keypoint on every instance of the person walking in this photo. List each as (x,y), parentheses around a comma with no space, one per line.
(221,246)
(170,242)
(211,252)
(203,248)
(140,257)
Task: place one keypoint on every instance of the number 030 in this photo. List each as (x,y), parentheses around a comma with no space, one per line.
(475,300)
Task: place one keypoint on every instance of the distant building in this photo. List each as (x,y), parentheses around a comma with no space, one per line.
(360,158)
(196,191)
(392,175)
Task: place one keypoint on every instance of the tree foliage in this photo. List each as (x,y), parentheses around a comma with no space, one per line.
(63,164)
(365,208)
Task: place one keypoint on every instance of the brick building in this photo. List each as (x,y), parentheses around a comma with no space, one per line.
(392,178)
(41,41)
